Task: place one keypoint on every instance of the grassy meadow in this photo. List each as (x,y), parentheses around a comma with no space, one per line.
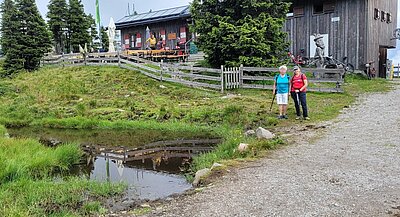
(113,98)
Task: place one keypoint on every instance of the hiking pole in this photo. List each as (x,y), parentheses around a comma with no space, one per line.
(272,103)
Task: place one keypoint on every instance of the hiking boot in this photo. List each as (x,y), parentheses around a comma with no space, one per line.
(306,118)
(286,117)
(298,118)
(280,117)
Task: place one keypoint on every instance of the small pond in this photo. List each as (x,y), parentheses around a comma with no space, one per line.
(150,162)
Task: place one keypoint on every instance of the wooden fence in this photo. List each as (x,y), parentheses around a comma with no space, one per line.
(225,78)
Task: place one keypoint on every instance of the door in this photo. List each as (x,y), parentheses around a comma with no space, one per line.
(382,61)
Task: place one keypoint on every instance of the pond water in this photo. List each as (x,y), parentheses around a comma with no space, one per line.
(150,162)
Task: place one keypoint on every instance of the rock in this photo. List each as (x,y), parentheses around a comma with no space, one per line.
(249,133)
(243,147)
(217,166)
(264,134)
(121,110)
(201,174)
(6,135)
(163,87)
(145,205)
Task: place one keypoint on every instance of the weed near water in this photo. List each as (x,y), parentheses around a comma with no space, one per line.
(46,197)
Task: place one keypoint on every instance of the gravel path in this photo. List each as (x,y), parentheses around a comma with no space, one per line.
(352,170)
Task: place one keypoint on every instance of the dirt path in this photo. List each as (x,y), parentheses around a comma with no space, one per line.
(353,170)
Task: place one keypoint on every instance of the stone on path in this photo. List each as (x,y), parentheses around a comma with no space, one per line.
(200,175)
(243,147)
(264,134)
(249,133)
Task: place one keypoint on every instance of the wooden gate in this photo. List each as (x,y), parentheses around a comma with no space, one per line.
(231,77)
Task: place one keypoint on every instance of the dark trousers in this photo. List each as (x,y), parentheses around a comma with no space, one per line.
(302,97)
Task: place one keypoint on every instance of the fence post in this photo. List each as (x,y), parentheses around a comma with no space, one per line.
(222,79)
(161,67)
(241,76)
(63,60)
(119,58)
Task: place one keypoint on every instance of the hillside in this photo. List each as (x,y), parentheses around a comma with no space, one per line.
(111,93)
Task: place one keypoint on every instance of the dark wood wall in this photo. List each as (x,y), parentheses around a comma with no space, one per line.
(347,37)
(172,26)
(379,33)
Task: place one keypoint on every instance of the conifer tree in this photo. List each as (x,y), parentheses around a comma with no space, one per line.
(78,25)
(57,15)
(104,39)
(94,35)
(233,32)
(35,37)
(10,38)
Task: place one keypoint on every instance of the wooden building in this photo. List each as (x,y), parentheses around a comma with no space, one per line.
(361,30)
(170,24)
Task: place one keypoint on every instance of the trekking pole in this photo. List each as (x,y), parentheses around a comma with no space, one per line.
(272,103)
(298,99)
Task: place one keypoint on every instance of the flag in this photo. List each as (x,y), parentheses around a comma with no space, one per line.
(97,12)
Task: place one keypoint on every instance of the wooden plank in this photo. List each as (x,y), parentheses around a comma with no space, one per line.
(270,87)
(194,76)
(311,80)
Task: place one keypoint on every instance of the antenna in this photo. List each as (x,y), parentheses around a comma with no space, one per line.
(129,11)
(133,7)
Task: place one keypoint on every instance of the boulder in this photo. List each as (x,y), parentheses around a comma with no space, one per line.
(200,175)
(249,133)
(243,147)
(264,134)
(217,166)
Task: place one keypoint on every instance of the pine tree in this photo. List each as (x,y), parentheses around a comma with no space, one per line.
(94,35)
(57,14)
(104,39)
(78,25)
(35,37)
(10,28)
(247,32)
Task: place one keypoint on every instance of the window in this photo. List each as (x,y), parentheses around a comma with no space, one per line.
(318,8)
(329,6)
(324,7)
(389,17)
(377,14)
(298,11)
(290,12)
(383,16)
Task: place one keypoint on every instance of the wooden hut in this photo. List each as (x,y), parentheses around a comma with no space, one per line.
(170,24)
(361,30)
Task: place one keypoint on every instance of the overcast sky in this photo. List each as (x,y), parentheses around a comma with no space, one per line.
(119,8)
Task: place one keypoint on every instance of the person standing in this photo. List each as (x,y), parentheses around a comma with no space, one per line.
(281,89)
(298,91)
(152,41)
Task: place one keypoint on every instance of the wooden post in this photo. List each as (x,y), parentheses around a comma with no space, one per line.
(241,76)
(161,68)
(63,60)
(119,58)
(222,79)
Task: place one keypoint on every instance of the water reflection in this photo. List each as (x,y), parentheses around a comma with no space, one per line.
(143,183)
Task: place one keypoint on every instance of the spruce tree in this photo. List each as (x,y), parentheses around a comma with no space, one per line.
(78,25)
(35,37)
(57,15)
(10,37)
(104,39)
(94,35)
(248,32)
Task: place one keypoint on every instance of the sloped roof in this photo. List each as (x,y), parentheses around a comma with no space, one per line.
(154,16)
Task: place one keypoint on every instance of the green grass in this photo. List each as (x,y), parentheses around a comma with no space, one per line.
(27,158)
(27,186)
(70,197)
(114,98)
